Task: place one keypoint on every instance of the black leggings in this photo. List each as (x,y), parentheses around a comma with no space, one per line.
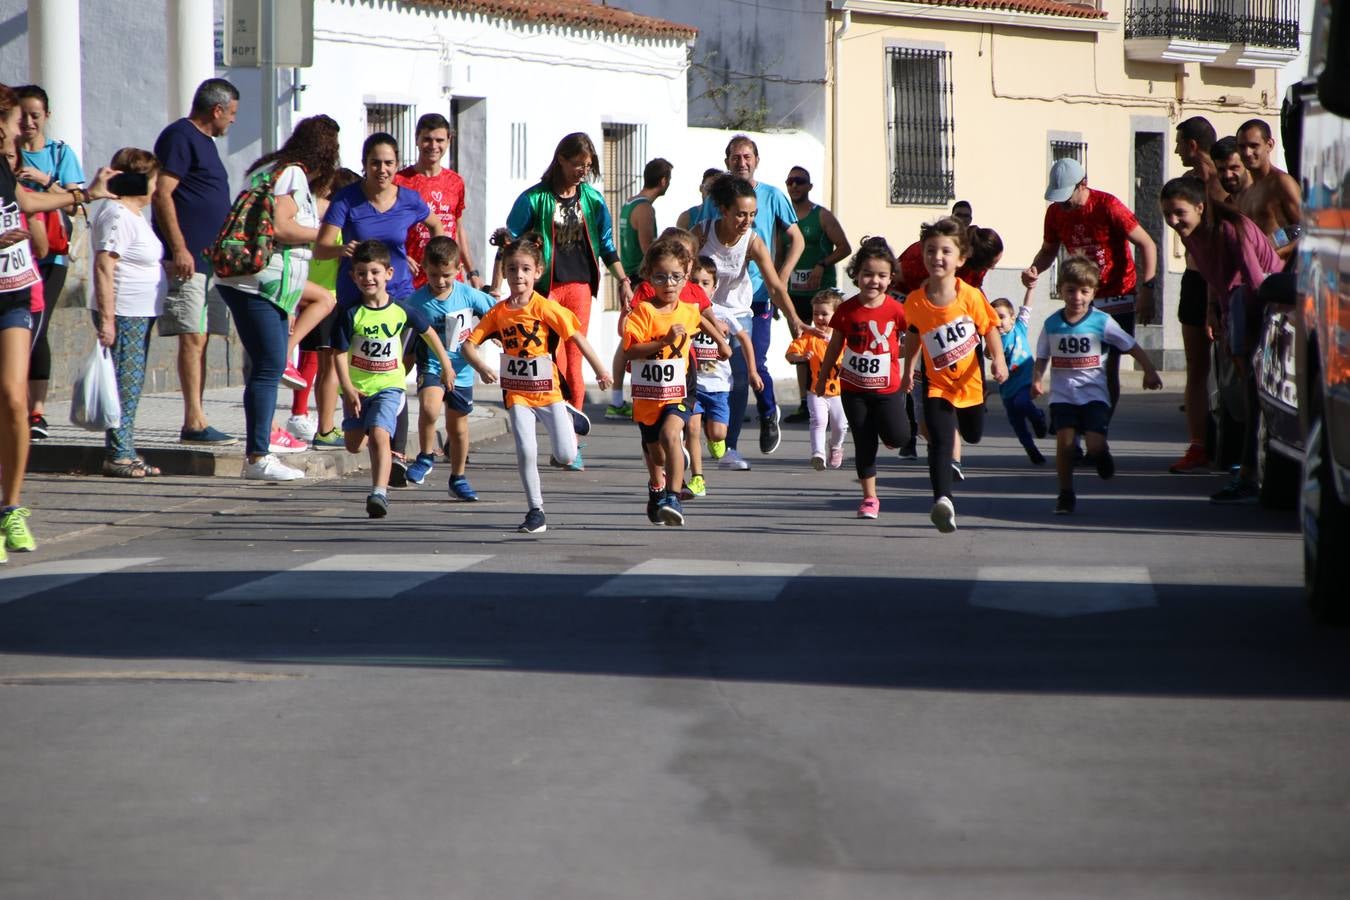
(872,418)
(943,421)
(40,357)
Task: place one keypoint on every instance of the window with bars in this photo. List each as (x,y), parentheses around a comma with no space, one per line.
(397,119)
(921,126)
(622,160)
(518,151)
(1064,149)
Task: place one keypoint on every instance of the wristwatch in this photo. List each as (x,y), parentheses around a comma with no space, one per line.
(474,273)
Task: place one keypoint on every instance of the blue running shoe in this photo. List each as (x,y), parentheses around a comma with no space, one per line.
(460,489)
(421,467)
(670,510)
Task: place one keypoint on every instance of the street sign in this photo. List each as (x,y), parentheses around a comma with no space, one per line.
(245,35)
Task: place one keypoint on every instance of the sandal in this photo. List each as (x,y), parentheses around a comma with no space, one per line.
(123,468)
(149,470)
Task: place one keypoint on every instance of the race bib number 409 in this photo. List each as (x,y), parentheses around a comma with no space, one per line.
(526,374)
(658,379)
(951,342)
(868,371)
(1075,351)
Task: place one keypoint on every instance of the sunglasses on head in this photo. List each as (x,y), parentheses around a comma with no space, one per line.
(796,180)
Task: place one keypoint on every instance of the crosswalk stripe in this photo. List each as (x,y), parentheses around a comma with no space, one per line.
(377,578)
(695,579)
(1061,593)
(19,583)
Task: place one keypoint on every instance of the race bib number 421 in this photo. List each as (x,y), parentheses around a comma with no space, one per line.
(951,342)
(526,374)
(658,379)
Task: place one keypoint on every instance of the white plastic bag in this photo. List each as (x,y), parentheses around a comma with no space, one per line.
(93,403)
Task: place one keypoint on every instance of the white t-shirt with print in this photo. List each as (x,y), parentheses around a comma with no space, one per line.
(285,273)
(714,375)
(139,280)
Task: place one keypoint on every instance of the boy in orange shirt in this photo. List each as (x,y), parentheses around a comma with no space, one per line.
(827,410)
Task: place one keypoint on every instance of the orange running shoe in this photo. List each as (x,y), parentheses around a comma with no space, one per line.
(1193,460)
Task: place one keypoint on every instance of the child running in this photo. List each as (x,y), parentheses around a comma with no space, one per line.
(712,411)
(370,367)
(530,327)
(453,308)
(658,342)
(865,346)
(1016,391)
(947,317)
(1073,346)
(826,410)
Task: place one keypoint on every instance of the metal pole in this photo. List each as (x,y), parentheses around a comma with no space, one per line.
(268,55)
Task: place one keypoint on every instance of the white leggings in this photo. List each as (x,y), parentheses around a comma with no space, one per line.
(558,421)
(826,411)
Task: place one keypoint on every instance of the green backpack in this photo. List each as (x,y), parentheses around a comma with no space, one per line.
(248,237)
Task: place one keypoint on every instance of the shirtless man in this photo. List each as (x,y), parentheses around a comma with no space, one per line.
(1273,201)
(1232,174)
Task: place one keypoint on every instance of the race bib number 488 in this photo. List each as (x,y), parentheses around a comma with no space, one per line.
(951,342)
(869,371)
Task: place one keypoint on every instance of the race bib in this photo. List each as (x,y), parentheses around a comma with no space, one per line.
(1075,351)
(951,342)
(376,354)
(798,280)
(18,269)
(869,371)
(705,348)
(526,374)
(658,379)
(458,326)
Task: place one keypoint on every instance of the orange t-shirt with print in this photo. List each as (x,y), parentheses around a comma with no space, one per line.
(653,384)
(813,347)
(950,337)
(529,336)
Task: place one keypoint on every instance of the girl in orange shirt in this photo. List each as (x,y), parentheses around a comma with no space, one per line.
(946,319)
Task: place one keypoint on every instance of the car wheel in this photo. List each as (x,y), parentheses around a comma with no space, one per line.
(1326,565)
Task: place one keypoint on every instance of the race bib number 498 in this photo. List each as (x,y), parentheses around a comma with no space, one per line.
(658,379)
(1075,351)
(951,342)
(526,374)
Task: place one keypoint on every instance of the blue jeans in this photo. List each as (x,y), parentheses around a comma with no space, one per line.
(263,330)
(759,326)
(1022,410)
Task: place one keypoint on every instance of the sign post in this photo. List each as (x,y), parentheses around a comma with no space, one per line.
(266,34)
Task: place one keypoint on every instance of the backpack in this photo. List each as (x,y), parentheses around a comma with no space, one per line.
(248,237)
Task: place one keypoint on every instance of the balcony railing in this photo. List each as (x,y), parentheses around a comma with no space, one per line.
(1255,23)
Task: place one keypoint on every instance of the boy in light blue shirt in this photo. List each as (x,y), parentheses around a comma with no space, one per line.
(453,308)
(1016,391)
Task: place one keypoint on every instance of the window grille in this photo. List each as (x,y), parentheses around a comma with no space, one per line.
(921,126)
(397,119)
(518,151)
(623,158)
(1061,150)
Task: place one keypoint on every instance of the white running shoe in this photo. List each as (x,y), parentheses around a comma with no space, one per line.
(269,468)
(733,460)
(943,515)
(302,427)
(282,442)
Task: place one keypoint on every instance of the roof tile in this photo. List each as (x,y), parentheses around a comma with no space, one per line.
(579,13)
(1036,7)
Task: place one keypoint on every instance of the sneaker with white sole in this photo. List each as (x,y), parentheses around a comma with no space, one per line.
(293,379)
(943,515)
(269,468)
(770,435)
(283,442)
(302,427)
(733,460)
(581,423)
(419,468)
(534,522)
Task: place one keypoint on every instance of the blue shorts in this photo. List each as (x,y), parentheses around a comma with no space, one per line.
(16,316)
(651,434)
(459,400)
(1086,417)
(378,411)
(716,406)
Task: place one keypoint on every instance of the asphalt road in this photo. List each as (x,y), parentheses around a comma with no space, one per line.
(217,689)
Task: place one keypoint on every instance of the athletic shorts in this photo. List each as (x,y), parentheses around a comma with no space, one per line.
(716,406)
(1084,417)
(380,410)
(193,306)
(1194,299)
(459,400)
(651,434)
(16,316)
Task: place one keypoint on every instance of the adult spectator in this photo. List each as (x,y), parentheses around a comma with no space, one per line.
(1095,224)
(1274,200)
(443,190)
(262,304)
(377,209)
(963,213)
(191,201)
(776,221)
(129,288)
(694,214)
(825,245)
(1232,175)
(44,164)
(578,234)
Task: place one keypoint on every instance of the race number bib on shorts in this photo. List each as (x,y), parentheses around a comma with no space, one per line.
(868,371)
(705,348)
(658,379)
(17,267)
(376,354)
(951,342)
(1075,351)
(526,374)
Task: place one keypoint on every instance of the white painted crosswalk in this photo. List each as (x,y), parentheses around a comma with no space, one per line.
(23,582)
(702,580)
(376,578)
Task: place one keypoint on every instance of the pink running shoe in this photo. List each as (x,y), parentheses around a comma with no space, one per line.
(836,457)
(291,378)
(282,441)
(869,508)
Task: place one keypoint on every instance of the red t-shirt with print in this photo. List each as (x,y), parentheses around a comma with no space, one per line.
(1099,230)
(444,193)
(870,336)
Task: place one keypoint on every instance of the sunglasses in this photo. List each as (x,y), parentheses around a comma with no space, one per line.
(661,279)
(795,181)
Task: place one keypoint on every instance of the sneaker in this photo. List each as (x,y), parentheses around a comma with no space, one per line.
(1038,427)
(4,556)
(302,427)
(1237,493)
(421,467)
(1065,503)
(869,508)
(654,496)
(577,464)
(619,413)
(669,511)
(836,457)
(733,460)
(818,462)
(581,423)
(269,468)
(460,489)
(687,460)
(910,450)
(1079,457)
(1106,465)
(1037,457)
(37,426)
(696,487)
(534,522)
(398,471)
(207,435)
(17,536)
(943,515)
(717,449)
(377,506)
(291,378)
(798,417)
(1195,459)
(770,436)
(332,439)
(281,441)
(957,473)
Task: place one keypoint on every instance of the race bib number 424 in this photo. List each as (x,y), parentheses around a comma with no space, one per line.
(375,354)
(951,342)
(658,379)
(526,374)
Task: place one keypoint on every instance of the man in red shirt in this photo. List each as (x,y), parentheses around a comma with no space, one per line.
(1097,225)
(443,190)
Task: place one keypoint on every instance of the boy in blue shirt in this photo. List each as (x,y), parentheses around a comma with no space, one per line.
(1016,391)
(1073,345)
(453,308)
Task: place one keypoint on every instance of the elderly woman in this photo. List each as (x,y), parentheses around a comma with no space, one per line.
(129,288)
